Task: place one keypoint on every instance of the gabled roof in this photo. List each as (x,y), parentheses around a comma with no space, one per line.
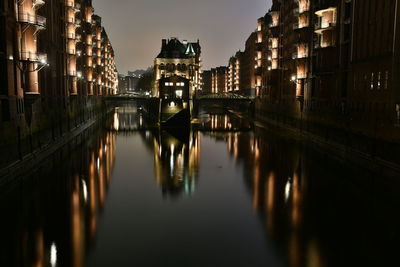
(173,48)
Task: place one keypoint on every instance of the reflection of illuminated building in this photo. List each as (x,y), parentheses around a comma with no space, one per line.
(176,160)
(88,195)
(61,218)
(126,118)
(223,122)
(274,177)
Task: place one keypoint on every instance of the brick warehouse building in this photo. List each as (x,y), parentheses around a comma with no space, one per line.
(329,67)
(332,65)
(56,61)
(219,79)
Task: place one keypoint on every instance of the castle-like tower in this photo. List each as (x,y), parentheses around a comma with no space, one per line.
(178,59)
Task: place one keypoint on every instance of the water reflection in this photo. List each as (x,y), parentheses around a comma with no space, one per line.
(275,179)
(223,122)
(176,160)
(129,117)
(51,220)
(313,214)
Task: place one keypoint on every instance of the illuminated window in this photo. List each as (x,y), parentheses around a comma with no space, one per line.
(178,93)
(379,81)
(372,81)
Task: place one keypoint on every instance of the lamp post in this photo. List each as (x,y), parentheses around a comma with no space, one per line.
(39,62)
(300,97)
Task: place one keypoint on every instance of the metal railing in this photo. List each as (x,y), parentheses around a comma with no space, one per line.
(71,52)
(71,36)
(32,19)
(33,57)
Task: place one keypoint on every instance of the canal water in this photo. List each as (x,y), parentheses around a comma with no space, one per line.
(225,193)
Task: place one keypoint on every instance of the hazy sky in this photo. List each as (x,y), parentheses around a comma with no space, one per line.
(136,27)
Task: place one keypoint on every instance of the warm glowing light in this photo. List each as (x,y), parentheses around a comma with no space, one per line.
(179,93)
(84,190)
(288,187)
(53,255)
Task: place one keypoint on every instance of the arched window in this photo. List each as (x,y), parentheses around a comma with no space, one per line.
(170,67)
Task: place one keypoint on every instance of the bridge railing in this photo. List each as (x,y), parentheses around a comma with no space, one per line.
(225,96)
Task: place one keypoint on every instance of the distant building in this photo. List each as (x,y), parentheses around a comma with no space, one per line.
(219,80)
(122,84)
(132,83)
(234,73)
(178,59)
(207,82)
(250,64)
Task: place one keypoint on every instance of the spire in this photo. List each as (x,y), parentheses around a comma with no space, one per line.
(190,49)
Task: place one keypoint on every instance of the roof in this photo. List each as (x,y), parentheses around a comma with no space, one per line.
(173,48)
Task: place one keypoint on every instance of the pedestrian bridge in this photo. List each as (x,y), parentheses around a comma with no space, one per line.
(210,103)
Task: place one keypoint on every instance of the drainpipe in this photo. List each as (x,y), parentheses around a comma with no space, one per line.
(352,30)
(396,104)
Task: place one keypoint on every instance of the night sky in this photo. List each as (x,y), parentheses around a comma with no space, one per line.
(136,27)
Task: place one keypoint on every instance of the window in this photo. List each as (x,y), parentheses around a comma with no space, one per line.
(385,86)
(169,84)
(181,84)
(372,81)
(379,81)
(178,93)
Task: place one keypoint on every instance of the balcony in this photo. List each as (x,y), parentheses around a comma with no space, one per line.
(304,6)
(326,20)
(326,26)
(72,73)
(38,3)
(35,20)
(71,52)
(72,20)
(33,57)
(71,36)
(74,6)
(321,45)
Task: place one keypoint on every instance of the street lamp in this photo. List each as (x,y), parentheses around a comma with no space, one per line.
(299,95)
(39,61)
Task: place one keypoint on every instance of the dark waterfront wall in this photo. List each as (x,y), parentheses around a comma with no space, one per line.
(57,122)
(369,137)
